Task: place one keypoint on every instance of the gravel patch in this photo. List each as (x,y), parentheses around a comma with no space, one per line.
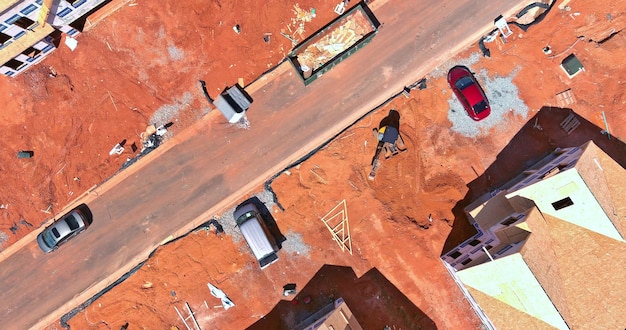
(267,198)
(3,239)
(502,94)
(176,53)
(228,222)
(503,97)
(295,245)
(161,33)
(167,112)
(243,123)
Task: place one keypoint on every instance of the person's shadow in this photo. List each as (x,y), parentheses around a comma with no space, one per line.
(392,120)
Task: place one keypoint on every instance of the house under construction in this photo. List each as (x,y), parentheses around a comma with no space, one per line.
(550,249)
(32,29)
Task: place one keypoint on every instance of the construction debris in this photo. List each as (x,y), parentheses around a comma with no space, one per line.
(570,123)
(190,315)
(71,43)
(293,41)
(212,225)
(267,37)
(151,138)
(420,84)
(352,29)
(565,98)
(296,26)
(117,149)
(25,154)
(217,293)
(302,15)
(334,43)
(336,220)
(289,289)
(341,7)
(606,126)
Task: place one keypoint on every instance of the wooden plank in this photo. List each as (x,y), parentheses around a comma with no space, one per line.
(565,98)
(44,11)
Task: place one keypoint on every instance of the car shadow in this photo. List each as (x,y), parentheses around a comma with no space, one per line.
(84,209)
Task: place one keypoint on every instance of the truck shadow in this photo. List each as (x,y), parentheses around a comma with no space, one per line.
(269,220)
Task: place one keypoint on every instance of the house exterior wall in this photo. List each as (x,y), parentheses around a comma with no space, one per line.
(16,53)
(512,234)
(8,18)
(43,47)
(562,158)
(493,213)
(69,11)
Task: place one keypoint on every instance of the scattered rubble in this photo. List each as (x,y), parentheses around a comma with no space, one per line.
(351,30)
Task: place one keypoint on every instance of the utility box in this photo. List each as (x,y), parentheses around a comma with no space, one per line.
(572,66)
(233,103)
(334,42)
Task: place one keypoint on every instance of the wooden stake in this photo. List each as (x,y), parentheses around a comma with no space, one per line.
(606,125)
(318,176)
(111,97)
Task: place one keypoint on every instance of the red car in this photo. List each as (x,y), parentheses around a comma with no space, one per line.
(469,92)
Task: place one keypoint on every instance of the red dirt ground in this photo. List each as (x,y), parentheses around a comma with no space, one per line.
(73,120)
(110,87)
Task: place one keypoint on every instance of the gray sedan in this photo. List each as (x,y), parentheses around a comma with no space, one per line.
(62,230)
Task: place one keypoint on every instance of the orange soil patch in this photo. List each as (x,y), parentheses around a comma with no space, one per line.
(71,135)
(137,67)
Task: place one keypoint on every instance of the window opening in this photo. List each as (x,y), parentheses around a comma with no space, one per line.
(563,203)
(474,242)
(4,37)
(32,52)
(25,23)
(14,64)
(455,254)
(509,221)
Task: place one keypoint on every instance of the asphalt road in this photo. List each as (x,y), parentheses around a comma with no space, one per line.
(218,163)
